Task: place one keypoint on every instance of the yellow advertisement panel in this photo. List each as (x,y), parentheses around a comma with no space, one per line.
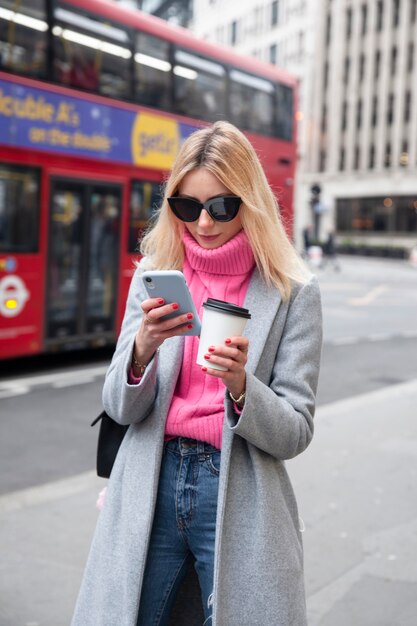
(155,141)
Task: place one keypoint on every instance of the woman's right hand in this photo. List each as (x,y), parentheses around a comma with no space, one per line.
(153,331)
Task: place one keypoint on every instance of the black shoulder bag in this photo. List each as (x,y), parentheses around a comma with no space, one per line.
(110,437)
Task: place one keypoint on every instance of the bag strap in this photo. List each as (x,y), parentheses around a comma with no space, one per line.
(98,418)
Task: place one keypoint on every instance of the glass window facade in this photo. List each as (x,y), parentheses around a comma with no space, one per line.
(380,15)
(396,214)
(274,13)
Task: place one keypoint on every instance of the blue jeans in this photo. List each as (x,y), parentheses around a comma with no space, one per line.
(184,526)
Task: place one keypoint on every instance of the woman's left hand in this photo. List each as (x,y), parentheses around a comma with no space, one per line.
(233,355)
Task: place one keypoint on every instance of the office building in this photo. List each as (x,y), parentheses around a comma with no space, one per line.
(357,65)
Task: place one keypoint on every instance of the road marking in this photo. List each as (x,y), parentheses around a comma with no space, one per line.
(369,297)
(344,341)
(411,334)
(49,492)
(60,384)
(379,336)
(340,286)
(368,399)
(76,377)
(15,390)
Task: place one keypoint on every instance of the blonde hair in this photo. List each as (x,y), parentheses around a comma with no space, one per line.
(226,152)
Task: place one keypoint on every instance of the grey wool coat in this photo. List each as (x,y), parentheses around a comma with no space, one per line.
(258,578)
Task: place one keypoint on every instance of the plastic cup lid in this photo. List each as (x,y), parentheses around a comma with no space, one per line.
(226,307)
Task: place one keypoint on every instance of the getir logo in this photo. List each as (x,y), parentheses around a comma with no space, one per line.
(155,141)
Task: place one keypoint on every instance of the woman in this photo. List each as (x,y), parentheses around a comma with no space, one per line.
(200,473)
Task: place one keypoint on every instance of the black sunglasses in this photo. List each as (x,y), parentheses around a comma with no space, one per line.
(221,209)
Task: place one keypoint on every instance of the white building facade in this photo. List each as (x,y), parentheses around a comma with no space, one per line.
(356,61)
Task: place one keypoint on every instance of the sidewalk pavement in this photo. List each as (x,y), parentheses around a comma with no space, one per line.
(357,491)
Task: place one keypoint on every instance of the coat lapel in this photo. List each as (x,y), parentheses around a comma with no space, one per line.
(263,302)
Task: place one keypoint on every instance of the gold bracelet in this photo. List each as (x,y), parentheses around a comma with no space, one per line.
(140,366)
(240,401)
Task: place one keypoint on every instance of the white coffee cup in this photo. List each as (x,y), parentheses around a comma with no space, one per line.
(220,320)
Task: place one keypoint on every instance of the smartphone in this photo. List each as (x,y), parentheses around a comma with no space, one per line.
(171,286)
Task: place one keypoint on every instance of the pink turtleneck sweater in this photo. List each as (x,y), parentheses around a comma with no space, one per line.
(197,407)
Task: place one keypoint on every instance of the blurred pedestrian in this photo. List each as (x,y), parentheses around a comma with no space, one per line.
(200,474)
(330,252)
(307,240)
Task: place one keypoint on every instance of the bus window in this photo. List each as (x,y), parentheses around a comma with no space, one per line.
(91,54)
(19,209)
(152,72)
(23,37)
(251,102)
(200,87)
(145,198)
(284,112)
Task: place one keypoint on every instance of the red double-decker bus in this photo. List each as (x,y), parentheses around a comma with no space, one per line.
(95,100)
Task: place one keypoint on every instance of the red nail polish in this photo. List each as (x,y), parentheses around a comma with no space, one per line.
(161,301)
(211,348)
(189,325)
(175,306)
(189,316)
(228,341)
(206,356)
(204,369)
